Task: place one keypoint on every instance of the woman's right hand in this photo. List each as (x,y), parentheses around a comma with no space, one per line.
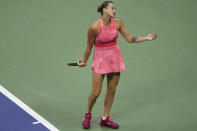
(81,63)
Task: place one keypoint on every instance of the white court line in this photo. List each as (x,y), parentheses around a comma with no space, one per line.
(28,109)
(36,122)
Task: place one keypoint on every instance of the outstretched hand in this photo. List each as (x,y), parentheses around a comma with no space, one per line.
(151,36)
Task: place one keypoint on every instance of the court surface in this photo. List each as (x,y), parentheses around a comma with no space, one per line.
(15,115)
(156,92)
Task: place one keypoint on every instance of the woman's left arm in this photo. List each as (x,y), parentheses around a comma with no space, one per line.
(133,39)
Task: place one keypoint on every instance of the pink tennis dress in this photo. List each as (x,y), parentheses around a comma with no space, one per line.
(107,55)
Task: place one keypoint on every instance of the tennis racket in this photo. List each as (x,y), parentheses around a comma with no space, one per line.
(73,64)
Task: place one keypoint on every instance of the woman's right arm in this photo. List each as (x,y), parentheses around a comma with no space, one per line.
(91,36)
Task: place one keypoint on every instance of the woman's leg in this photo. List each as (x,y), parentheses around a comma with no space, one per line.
(112,82)
(97,81)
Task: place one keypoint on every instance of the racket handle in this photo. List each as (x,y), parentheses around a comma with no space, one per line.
(72,64)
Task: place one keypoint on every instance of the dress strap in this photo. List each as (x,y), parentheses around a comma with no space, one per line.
(113,24)
(100,22)
(100,25)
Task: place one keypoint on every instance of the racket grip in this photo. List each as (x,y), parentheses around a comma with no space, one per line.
(73,64)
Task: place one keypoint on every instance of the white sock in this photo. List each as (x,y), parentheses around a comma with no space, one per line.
(104,118)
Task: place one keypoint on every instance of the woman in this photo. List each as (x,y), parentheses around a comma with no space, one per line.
(107,59)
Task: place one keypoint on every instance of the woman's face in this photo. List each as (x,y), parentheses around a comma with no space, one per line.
(110,10)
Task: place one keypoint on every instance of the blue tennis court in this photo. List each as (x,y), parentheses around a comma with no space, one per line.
(16,116)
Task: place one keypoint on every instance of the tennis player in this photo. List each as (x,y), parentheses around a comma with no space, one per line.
(107,60)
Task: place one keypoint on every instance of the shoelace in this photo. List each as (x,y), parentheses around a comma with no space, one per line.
(110,120)
(87,118)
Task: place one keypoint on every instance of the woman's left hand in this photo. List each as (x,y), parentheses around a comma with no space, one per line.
(151,36)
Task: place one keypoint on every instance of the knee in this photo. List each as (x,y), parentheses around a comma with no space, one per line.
(96,94)
(112,90)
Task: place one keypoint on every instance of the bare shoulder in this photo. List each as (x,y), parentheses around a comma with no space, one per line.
(94,26)
(118,22)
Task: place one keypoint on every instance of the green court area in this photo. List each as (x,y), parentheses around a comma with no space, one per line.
(156,92)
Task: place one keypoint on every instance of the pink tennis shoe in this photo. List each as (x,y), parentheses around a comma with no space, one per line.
(109,123)
(86,122)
